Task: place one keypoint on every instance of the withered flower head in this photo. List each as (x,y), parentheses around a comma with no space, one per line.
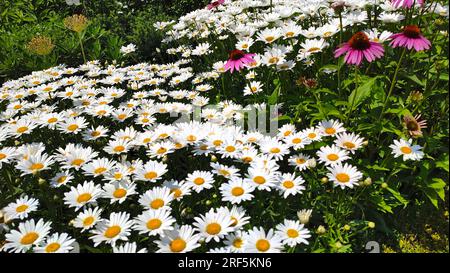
(307,82)
(414,125)
(40,45)
(338,6)
(76,22)
(415,96)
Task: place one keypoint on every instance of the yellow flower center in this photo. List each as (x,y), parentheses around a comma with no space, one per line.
(330,130)
(237,243)
(213,228)
(270,39)
(88,221)
(349,145)
(199,181)
(259,180)
(112,232)
(62,179)
(300,161)
(406,150)
(154,223)
(83,198)
(151,175)
(237,191)
(21,208)
(176,192)
(29,238)
(161,150)
(343,177)
(2,156)
(333,157)
(312,135)
(100,170)
(191,138)
(52,120)
(157,203)
(297,140)
(53,247)
(230,149)
(275,150)
(217,142)
(313,49)
(72,127)
(288,184)
(177,245)
(22,129)
(77,162)
(119,149)
(36,166)
(262,245)
(274,60)
(292,233)
(119,193)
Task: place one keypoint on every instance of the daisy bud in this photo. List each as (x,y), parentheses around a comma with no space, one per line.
(367,181)
(365,143)
(384,185)
(346,227)
(304,215)
(201,240)
(41,181)
(208,202)
(338,245)
(213,158)
(446,214)
(17,143)
(214,196)
(324,180)
(439,22)
(164,159)
(371,225)
(321,230)
(311,163)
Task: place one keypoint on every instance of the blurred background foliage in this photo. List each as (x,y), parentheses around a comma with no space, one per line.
(112,24)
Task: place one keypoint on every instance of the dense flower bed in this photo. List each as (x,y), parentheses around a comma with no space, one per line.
(161,157)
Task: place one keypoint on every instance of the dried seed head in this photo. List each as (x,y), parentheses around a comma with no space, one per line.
(40,45)
(76,22)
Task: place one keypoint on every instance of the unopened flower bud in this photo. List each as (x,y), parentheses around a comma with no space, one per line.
(324,180)
(367,181)
(213,158)
(384,185)
(347,227)
(304,215)
(371,224)
(311,163)
(321,230)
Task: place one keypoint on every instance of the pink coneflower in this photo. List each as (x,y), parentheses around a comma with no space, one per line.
(406,3)
(360,47)
(409,38)
(238,60)
(215,4)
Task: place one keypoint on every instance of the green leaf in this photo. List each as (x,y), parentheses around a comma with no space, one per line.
(443,163)
(398,196)
(361,93)
(272,100)
(415,79)
(438,185)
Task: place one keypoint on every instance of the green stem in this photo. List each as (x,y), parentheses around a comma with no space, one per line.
(82,47)
(394,80)
(350,110)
